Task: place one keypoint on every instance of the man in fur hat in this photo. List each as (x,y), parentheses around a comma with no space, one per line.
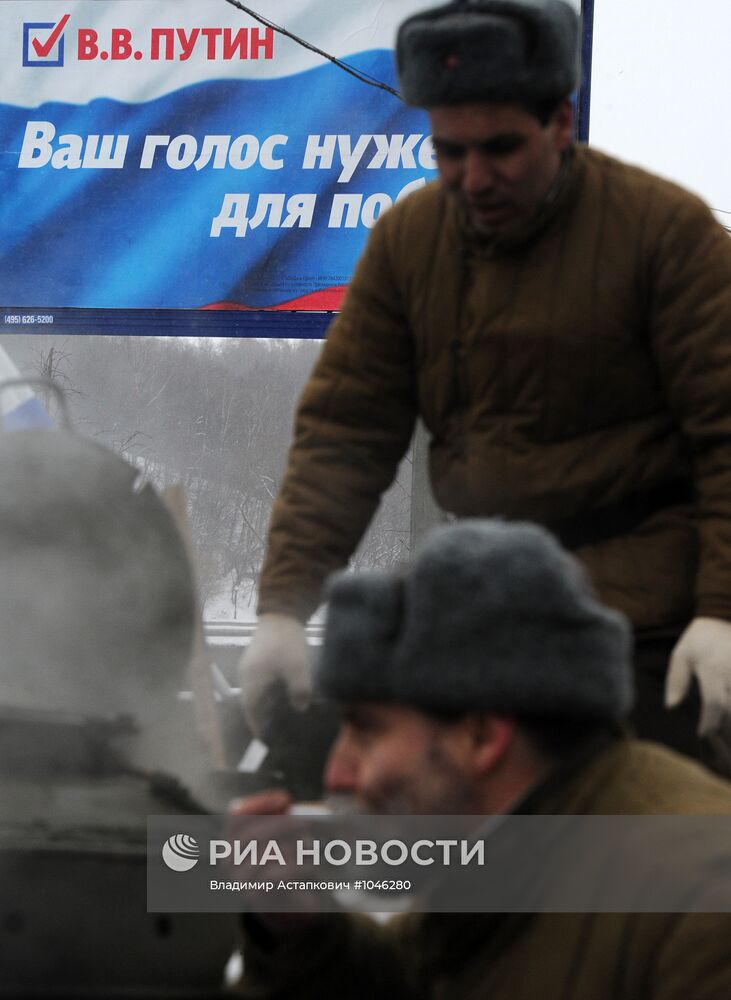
(485,680)
(560,322)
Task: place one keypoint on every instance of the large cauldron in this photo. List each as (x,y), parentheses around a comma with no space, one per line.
(96,624)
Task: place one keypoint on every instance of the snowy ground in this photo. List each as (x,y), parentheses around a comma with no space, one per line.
(220,607)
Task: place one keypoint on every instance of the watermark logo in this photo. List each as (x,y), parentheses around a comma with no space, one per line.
(181,852)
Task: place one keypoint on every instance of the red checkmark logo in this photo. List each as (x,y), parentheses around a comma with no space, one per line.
(43,49)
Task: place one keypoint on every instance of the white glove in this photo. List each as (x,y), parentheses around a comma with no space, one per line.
(703,650)
(278,652)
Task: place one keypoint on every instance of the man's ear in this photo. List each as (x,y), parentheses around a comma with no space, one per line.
(493,736)
(562,123)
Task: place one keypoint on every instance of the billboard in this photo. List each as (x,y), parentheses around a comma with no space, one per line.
(187,154)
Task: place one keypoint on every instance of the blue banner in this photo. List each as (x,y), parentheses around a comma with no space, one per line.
(183,155)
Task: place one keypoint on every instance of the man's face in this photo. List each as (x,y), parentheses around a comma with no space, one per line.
(398,760)
(498,160)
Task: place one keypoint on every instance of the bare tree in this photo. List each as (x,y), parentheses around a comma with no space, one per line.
(216,417)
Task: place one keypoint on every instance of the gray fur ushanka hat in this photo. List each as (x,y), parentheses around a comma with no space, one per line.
(490,615)
(489,50)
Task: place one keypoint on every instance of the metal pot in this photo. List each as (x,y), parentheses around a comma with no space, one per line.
(96,591)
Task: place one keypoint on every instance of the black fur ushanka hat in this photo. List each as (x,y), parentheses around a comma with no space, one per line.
(489,50)
(490,615)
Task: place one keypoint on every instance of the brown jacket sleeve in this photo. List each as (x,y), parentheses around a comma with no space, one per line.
(353,426)
(693,959)
(690,328)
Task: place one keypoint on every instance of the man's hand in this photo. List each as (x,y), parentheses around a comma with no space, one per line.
(704,652)
(269,806)
(278,652)
(270,803)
